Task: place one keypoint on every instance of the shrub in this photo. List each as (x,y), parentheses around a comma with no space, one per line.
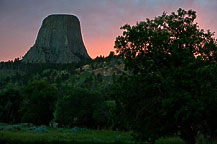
(10,102)
(118,139)
(41,129)
(78,107)
(39,103)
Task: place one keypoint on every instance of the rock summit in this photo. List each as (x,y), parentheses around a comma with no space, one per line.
(59,41)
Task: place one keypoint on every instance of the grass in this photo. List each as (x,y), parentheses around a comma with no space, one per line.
(170,140)
(64,136)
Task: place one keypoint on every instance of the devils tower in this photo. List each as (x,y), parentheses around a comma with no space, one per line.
(59,41)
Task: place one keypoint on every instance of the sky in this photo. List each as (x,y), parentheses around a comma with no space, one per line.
(20,20)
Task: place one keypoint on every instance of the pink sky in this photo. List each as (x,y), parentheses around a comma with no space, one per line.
(100,20)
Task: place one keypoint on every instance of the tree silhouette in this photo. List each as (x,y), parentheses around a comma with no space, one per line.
(172,86)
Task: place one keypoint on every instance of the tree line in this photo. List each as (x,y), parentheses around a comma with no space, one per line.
(40,103)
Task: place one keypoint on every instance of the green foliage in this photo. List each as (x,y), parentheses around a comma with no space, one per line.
(170,140)
(168,40)
(80,107)
(39,102)
(201,139)
(10,101)
(172,87)
(59,75)
(41,129)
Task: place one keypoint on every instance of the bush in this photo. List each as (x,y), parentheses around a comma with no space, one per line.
(41,129)
(39,103)
(170,140)
(10,102)
(117,139)
(79,107)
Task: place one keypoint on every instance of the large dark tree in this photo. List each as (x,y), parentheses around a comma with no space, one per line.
(80,107)
(172,88)
(39,102)
(10,102)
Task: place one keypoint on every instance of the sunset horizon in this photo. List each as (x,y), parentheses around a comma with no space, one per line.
(100,20)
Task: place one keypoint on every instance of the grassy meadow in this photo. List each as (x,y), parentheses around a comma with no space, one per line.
(29,134)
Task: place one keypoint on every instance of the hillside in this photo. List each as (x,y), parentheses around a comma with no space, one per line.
(91,75)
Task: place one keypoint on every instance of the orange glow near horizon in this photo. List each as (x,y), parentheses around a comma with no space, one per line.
(100,48)
(100,21)
(96,46)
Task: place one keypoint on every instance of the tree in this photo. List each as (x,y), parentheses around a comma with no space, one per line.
(39,102)
(80,107)
(10,102)
(172,86)
(167,40)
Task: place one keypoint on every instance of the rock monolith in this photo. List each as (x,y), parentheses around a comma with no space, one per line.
(59,40)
